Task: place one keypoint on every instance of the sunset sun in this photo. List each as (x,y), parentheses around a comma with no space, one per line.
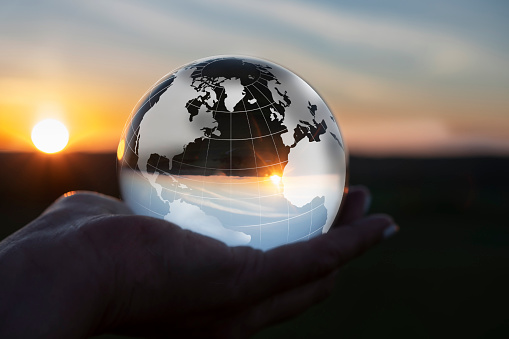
(50,136)
(276,179)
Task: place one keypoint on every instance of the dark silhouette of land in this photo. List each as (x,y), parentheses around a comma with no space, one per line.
(445,275)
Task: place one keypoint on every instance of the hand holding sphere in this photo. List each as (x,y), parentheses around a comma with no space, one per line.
(88,266)
(234,148)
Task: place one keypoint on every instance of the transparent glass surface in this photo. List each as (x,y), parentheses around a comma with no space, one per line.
(235,148)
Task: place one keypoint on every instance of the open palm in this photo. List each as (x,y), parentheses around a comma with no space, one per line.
(87,266)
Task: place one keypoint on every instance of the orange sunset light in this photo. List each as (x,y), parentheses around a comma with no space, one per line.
(276,179)
(397,86)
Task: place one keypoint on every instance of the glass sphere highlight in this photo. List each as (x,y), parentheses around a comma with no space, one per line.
(236,148)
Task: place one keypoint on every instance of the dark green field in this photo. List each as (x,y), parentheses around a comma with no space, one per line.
(446,275)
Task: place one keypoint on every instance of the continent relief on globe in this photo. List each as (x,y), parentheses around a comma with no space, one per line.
(236,149)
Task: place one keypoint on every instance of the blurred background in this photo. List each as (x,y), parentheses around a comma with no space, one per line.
(420,91)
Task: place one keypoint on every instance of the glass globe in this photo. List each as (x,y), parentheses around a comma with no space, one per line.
(235,148)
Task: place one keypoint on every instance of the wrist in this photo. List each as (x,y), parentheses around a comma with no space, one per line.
(45,291)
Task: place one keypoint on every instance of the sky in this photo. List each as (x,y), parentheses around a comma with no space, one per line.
(403,78)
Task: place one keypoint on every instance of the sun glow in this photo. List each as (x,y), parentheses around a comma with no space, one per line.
(121,149)
(50,136)
(276,179)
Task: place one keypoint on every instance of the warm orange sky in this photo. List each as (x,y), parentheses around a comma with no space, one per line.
(402,79)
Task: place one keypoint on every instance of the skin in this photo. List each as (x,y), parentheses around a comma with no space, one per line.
(87,266)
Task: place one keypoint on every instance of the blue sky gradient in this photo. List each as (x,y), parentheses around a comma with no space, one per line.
(402,77)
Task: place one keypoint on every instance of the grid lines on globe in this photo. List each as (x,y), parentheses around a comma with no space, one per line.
(227,169)
(264,124)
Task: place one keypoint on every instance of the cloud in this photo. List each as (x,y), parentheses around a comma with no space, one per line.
(191,217)
(437,50)
(424,136)
(361,59)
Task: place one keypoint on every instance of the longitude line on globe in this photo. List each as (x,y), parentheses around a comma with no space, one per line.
(257,175)
(275,147)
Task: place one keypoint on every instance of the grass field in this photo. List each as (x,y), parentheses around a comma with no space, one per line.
(446,275)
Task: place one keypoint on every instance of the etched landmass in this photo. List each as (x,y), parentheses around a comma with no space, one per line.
(247,138)
(311,130)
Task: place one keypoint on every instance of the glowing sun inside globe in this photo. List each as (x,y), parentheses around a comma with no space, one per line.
(50,136)
(276,179)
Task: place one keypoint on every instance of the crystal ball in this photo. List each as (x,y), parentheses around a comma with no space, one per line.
(235,148)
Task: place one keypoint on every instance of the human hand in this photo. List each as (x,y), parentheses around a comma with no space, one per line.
(86,266)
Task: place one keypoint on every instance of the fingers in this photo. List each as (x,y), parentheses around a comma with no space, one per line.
(288,304)
(289,266)
(355,206)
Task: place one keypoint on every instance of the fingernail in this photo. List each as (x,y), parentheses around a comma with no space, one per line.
(390,231)
(367,203)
